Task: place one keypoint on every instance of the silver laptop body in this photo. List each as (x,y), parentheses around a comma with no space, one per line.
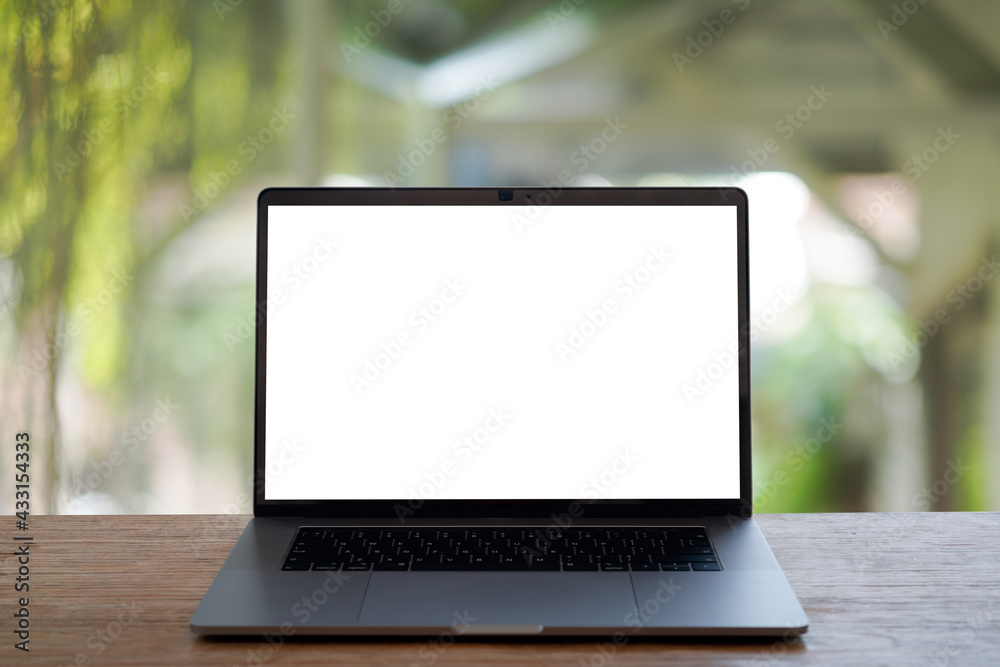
(535,365)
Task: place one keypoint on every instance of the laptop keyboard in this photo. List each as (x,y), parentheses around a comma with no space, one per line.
(507,549)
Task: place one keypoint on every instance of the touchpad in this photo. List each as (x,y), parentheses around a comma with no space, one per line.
(498,602)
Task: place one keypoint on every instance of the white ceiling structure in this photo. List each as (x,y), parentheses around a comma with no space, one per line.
(829,90)
(891,82)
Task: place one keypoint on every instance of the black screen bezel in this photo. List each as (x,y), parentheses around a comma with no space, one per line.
(492,509)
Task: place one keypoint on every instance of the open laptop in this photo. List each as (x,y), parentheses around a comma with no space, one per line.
(516,411)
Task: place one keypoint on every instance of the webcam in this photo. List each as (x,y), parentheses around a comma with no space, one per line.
(505,195)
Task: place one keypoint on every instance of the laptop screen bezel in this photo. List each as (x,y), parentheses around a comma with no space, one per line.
(486,509)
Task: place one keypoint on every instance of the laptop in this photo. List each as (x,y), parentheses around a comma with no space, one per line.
(517,411)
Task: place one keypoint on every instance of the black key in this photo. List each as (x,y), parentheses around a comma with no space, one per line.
(395,559)
(423,534)
(484,567)
(351,543)
(310,534)
(624,534)
(576,559)
(689,551)
(518,535)
(426,559)
(641,543)
(353,551)
(315,551)
(695,542)
(428,544)
(339,535)
(327,566)
(472,551)
(537,561)
(444,567)
(705,567)
(682,558)
(438,551)
(357,567)
(645,567)
(396,566)
(579,566)
(305,565)
(667,542)
(684,532)
(368,534)
(502,550)
(632,558)
(675,567)
(486,560)
(299,542)
(456,560)
(614,567)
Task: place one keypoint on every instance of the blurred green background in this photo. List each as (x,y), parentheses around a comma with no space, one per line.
(135,137)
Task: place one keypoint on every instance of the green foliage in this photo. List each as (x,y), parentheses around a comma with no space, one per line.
(103,99)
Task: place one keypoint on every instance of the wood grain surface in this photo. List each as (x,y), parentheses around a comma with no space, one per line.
(880,589)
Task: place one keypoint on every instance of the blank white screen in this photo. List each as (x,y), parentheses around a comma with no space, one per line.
(610,419)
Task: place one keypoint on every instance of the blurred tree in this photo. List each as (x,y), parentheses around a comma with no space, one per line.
(100,98)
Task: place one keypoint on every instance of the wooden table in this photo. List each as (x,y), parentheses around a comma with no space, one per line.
(913,589)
